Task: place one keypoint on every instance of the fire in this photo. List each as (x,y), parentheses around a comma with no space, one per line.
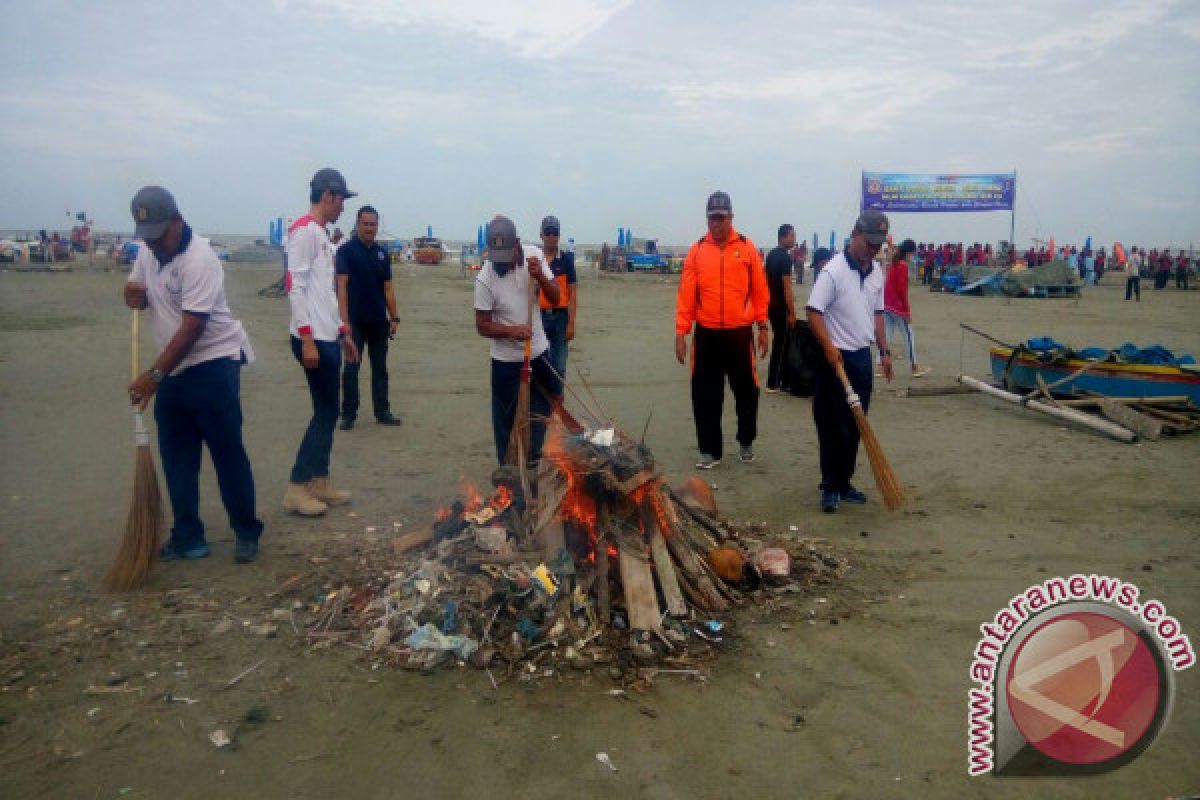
(502,499)
(470,495)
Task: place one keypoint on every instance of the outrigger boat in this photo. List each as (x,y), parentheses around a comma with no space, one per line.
(1018,369)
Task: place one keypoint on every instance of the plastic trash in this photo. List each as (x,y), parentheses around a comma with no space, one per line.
(427,637)
(450,617)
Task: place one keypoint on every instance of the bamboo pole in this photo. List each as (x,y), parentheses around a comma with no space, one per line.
(1070,415)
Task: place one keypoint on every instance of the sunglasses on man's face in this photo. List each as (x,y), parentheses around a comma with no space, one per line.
(550,232)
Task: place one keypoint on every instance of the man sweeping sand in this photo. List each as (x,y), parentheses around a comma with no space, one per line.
(179,281)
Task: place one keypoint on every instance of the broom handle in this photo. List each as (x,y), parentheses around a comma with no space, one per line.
(133,347)
(851,396)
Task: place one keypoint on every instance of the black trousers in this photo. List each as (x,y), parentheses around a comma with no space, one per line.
(716,355)
(1133,285)
(372,338)
(837,434)
(779,340)
(506,389)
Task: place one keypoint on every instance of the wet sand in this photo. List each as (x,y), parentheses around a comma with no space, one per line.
(874,705)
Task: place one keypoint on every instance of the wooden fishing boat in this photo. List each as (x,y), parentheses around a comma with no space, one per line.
(1020,372)
(428,250)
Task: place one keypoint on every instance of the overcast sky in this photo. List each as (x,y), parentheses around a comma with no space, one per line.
(604,112)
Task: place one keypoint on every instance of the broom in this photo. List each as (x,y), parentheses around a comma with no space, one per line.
(519,437)
(885,478)
(144,524)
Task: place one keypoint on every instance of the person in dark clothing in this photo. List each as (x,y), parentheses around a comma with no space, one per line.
(364,284)
(845,311)
(781,308)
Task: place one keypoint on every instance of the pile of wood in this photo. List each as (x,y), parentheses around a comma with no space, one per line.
(603,566)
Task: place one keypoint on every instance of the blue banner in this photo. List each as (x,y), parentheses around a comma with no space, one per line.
(899,191)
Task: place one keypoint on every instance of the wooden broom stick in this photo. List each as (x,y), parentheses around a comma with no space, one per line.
(885,477)
(144,524)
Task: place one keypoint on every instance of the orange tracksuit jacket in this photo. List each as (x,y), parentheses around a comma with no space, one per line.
(722,286)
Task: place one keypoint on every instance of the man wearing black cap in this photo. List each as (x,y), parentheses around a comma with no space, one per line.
(722,294)
(503,313)
(845,312)
(179,281)
(558,319)
(320,337)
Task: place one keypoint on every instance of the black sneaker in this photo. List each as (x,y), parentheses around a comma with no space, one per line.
(347,423)
(852,495)
(746,454)
(388,419)
(706,461)
(170,553)
(245,551)
(829,501)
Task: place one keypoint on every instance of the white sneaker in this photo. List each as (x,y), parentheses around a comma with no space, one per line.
(706,461)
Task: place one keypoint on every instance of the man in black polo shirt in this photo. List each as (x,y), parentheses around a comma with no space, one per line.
(364,283)
(781,310)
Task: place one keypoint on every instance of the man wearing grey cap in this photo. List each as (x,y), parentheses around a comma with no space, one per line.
(320,337)
(504,313)
(845,312)
(558,319)
(180,283)
(722,293)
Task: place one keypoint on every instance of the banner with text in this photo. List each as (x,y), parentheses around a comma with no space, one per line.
(900,191)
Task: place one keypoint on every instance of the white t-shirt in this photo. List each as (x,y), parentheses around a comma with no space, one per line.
(848,302)
(507,297)
(194,281)
(311,282)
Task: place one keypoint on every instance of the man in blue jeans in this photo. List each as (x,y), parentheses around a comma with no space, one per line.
(845,312)
(319,336)
(558,318)
(179,281)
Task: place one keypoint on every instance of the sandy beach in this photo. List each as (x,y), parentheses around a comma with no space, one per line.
(860,692)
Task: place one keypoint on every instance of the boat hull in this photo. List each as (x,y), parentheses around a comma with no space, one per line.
(1114,380)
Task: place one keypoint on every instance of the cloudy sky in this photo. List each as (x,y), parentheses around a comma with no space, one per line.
(605,112)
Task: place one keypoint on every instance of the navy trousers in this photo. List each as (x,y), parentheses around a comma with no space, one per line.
(372,338)
(554,323)
(202,406)
(312,459)
(837,435)
(506,386)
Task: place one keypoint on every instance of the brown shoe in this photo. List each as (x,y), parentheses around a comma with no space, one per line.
(324,490)
(298,500)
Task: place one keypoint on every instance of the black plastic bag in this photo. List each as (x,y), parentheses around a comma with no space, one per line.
(801,360)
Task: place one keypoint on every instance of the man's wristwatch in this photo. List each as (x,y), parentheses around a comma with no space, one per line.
(156,375)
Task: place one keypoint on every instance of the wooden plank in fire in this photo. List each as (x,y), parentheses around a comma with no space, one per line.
(668,581)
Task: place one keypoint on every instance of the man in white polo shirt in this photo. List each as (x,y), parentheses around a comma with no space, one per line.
(502,314)
(179,281)
(845,312)
(320,337)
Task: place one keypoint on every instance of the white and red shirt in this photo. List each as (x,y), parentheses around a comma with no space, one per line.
(311,281)
(192,281)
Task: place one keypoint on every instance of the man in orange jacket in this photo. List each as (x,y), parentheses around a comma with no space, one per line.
(723,293)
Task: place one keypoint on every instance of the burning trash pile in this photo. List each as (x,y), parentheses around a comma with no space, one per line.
(590,563)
